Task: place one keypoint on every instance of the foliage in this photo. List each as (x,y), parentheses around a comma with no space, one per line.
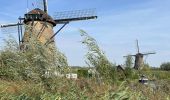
(82,73)
(32,63)
(70,90)
(123,93)
(23,76)
(81,89)
(165,66)
(128,61)
(129,72)
(96,58)
(145,67)
(154,90)
(157,74)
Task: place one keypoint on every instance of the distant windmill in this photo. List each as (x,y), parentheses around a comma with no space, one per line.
(139,57)
(40,24)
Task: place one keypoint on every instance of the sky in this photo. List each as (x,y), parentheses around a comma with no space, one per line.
(119,24)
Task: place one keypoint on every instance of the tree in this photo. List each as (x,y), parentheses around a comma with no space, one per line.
(128,61)
(128,71)
(165,66)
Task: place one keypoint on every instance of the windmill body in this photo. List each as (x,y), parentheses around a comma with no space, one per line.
(138,61)
(38,25)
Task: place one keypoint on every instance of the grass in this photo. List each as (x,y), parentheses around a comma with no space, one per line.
(71,90)
(82,89)
(158,74)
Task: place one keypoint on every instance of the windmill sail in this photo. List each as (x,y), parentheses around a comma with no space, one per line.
(137,45)
(45,6)
(129,55)
(10,25)
(67,16)
(148,53)
(39,4)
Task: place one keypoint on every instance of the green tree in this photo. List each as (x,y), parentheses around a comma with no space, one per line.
(128,61)
(129,72)
(165,66)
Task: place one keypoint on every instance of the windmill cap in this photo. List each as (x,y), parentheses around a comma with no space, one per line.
(38,15)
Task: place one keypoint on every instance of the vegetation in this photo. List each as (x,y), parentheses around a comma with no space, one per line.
(30,75)
(96,58)
(158,74)
(129,62)
(30,64)
(82,73)
(165,66)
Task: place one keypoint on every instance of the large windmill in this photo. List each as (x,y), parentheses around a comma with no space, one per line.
(139,57)
(40,24)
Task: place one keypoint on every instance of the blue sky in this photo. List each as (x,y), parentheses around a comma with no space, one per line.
(119,24)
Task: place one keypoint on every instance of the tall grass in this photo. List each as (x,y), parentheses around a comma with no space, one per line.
(95,57)
(23,76)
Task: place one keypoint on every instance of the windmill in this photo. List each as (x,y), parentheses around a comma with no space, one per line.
(139,57)
(40,24)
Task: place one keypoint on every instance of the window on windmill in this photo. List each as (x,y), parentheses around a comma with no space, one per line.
(33,16)
(27,16)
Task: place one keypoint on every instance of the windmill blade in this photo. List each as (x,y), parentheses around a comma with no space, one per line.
(51,38)
(68,16)
(146,56)
(129,55)
(40,4)
(137,45)
(9,30)
(13,28)
(148,53)
(10,25)
(45,6)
